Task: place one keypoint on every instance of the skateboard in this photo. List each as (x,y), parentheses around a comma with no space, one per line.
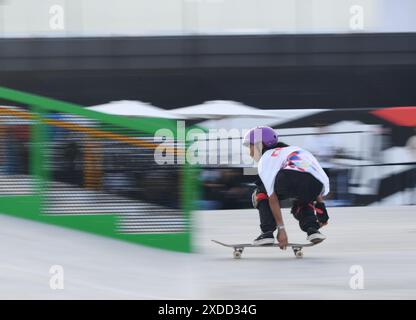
(239,247)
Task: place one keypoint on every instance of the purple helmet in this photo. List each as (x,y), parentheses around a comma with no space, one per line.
(263,134)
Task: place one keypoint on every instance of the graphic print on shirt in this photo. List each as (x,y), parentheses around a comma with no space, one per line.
(295,162)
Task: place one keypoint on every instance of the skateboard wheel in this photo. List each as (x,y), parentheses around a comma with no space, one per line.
(237,254)
(299,254)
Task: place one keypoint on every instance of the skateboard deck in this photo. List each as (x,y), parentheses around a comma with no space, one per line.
(239,247)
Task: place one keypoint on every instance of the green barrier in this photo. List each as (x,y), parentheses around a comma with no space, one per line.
(66,165)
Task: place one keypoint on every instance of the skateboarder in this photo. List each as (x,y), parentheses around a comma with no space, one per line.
(286,172)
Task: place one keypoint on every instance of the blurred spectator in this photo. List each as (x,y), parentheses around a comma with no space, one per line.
(211,189)
(235,193)
(70,169)
(411,146)
(325,148)
(224,188)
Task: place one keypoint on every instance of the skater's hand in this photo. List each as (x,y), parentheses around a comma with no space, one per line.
(321,224)
(282,239)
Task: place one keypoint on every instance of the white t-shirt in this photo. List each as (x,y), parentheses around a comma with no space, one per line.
(291,158)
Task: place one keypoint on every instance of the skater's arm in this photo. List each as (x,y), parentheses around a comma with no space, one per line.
(277,214)
(275,206)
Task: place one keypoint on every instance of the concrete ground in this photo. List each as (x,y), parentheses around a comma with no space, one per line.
(372,248)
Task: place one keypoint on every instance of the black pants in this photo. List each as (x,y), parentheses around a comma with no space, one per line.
(303,188)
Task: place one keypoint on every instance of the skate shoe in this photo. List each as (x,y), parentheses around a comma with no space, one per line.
(315,236)
(264,239)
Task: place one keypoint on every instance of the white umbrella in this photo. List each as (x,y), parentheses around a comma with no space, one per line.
(274,118)
(219,109)
(134,109)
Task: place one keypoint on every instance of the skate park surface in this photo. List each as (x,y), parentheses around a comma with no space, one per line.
(377,242)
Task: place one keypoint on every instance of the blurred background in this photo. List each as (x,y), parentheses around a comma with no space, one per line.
(335,78)
(85,87)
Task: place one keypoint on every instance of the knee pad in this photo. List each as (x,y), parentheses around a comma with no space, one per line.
(257,197)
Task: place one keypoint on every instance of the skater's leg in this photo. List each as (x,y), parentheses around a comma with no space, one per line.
(305,213)
(267,221)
